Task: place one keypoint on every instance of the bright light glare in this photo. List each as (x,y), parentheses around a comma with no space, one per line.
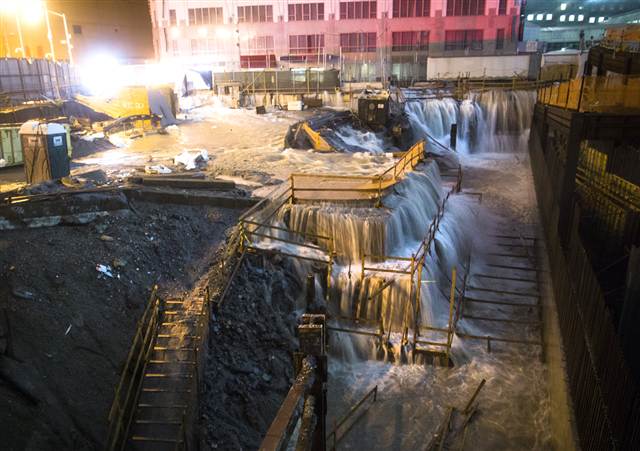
(102,75)
(202,32)
(30,11)
(563,6)
(7,6)
(175,32)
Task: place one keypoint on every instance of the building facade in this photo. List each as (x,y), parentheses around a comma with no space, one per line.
(366,40)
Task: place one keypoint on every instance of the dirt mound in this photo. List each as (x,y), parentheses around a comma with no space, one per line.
(249,366)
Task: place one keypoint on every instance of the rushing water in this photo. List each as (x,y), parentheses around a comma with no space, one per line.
(491,121)
(515,409)
(355,231)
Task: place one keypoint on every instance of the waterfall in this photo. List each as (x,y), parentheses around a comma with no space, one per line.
(355,231)
(489,121)
(363,299)
(382,296)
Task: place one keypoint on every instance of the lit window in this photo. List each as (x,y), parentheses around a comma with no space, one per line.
(549,16)
(563,6)
(572,17)
(530,17)
(562,18)
(600,19)
(539,16)
(592,20)
(580,17)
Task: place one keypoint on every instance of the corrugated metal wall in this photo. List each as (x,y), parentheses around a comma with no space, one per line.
(23,80)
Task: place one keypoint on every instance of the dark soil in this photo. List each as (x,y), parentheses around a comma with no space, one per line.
(249,366)
(71,326)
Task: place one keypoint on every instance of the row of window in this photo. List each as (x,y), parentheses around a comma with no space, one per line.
(306,11)
(565,17)
(255,13)
(306,43)
(351,42)
(348,10)
(411,8)
(358,10)
(202,16)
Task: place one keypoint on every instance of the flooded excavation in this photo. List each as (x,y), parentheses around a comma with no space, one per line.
(326,225)
(429,277)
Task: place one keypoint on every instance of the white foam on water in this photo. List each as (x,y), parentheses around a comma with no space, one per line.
(490,121)
(514,405)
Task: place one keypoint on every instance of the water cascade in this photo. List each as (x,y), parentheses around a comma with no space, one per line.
(373,231)
(497,119)
(373,280)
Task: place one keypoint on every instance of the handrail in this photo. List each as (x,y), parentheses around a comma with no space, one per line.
(349,414)
(409,158)
(122,410)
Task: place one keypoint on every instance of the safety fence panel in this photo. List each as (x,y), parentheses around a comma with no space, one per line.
(299,81)
(23,80)
(617,93)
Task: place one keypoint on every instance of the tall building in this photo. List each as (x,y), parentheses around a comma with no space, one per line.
(367,40)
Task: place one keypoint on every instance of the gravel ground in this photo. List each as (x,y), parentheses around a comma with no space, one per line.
(249,365)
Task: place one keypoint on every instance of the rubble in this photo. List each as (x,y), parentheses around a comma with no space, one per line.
(191,159)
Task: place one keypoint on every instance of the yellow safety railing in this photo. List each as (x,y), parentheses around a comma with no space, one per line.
(594,94)
(354,187)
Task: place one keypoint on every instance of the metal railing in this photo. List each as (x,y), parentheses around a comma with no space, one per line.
(593,94)
(369,187)
(128,389)
(332,437)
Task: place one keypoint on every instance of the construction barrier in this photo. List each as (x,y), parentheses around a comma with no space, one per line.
(593,94)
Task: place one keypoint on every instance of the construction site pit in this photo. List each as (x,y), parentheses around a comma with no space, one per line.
(168,316)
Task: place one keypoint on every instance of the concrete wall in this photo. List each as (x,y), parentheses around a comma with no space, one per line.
(478,66)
